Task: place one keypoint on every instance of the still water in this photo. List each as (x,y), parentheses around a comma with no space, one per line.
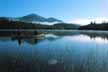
(56,51)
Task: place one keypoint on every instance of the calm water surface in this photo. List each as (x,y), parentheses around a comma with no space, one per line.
(56,51)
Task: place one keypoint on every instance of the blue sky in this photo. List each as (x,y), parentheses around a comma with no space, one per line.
(77,11)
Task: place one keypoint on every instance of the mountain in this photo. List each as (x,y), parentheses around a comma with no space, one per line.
(34,21)
(5,23)
(32,17)
(51,19)
(36,18)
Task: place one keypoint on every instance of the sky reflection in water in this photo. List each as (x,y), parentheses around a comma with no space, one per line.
(86,50)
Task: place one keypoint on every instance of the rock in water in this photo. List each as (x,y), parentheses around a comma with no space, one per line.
(52,61)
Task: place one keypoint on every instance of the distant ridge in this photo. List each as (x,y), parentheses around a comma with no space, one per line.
(37,18)
(34,21)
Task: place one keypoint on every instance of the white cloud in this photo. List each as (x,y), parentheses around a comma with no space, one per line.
(87,21)
(46,23)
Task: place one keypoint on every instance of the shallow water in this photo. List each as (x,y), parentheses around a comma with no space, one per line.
(57,51)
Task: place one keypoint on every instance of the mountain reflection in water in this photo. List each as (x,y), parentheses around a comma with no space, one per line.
(56,51)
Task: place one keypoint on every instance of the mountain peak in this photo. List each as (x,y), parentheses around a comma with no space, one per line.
(32,14)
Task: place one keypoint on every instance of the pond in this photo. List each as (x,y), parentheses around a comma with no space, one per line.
(56,51)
